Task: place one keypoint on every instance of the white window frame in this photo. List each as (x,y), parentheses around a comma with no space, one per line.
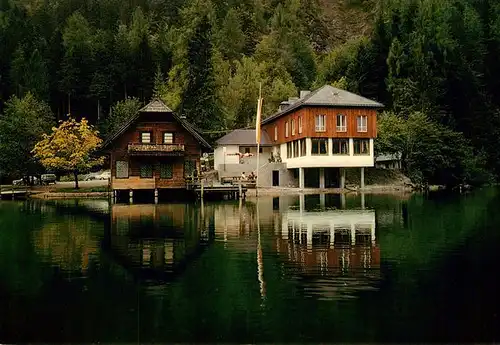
(275,133)
(286,129)
(362,122)
(147,135)
(293,127)
(165,141)
(342,127)
(300,124)
(320,123)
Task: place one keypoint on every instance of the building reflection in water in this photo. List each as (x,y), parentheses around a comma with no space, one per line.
(155,242)
(333,250)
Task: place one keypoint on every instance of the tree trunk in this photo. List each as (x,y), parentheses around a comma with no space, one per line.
(98,110)
(76,179)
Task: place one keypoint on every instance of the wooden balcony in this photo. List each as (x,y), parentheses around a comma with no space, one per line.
(156,149)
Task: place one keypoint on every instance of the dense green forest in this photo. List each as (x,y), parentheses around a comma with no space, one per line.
(431,62)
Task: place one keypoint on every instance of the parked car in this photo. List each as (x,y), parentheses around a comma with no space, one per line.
(105,175)
(48,178)
(90,176)
(22,181)
(18,182)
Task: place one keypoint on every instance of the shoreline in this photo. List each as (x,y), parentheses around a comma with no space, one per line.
(251,193)
(66,195)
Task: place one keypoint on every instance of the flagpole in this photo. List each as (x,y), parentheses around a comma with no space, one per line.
(257,131)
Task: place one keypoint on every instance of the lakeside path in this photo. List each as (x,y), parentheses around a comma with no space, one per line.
(62,190)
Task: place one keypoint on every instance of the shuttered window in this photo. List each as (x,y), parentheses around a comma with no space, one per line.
(146,137)
(168,138)
(146,171)
(121,169)
(166,171)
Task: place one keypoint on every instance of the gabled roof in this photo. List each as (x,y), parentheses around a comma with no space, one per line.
(157,106)
(328,96)
(244,137)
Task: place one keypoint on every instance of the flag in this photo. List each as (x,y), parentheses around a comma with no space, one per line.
(257,124)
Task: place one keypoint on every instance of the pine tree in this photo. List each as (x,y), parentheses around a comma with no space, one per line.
(199,103)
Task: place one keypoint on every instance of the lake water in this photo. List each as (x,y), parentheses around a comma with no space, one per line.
(371,268)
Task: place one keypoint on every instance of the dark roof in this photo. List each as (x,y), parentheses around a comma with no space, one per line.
(244,137)
(157,106)
(328,96)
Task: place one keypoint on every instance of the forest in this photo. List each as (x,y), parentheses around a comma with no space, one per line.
(432,63)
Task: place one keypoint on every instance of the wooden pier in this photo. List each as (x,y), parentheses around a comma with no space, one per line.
(13,192)
(219,191)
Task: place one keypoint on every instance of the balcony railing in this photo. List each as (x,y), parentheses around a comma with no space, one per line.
(156,149)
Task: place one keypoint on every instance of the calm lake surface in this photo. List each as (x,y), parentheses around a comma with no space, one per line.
(371,268)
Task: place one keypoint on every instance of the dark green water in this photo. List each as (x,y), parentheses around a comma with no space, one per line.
(314,268)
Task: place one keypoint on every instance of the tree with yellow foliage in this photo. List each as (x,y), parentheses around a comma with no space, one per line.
(71,147)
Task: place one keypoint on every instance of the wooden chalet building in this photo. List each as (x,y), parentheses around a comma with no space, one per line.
(154,150)
(323,132)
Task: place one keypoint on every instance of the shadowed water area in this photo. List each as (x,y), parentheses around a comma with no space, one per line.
(371,268)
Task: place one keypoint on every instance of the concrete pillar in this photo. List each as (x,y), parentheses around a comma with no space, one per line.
(342,201)
(373,234)
(342,178)
(322,178)
(309,235)
(362,201)
(302,202)
(332,235)
(353,234)
(362,179)
(301,178)
(330,147)
(351,147)
(308,146)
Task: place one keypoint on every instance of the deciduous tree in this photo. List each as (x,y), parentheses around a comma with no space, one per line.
(70,147)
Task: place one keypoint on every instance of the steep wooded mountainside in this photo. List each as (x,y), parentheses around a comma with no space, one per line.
(431,62)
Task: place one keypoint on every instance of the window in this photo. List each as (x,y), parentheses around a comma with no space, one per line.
(146,137)
(260,149)
(146,171)
(168,138)
(289,150)
(362,123)
(166,171)
(302,147)
(341,123)
(286,129)
(247,150)
(320,123)
(275,133)
(296,148)
(189,167)
(362,146)
(121,169)
(300,124)
(319,147)
(293,127)
(340,146)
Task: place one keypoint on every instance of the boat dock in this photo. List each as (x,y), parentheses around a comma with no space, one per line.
(13,192)
(221,192)
(218,190)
